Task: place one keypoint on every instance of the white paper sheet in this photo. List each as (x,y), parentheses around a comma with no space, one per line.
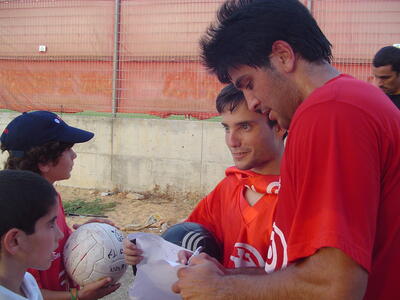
(157,271)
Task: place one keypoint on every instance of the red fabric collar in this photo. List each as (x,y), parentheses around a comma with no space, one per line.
(263,184)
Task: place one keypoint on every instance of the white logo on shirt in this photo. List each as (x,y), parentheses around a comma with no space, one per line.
(273,187)
(277,257)
(247,256)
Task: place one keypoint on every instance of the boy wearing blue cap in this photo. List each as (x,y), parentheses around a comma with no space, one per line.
(42,142)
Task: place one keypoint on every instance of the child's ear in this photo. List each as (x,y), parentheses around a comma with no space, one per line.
(11,241)
(44,168)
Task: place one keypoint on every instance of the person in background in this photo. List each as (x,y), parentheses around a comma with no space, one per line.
(386,70)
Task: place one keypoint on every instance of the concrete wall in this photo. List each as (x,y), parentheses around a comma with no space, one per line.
(138,154)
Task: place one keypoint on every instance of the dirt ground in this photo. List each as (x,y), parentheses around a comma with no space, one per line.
(154,213)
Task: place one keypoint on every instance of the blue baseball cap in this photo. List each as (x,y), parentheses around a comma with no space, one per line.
(32,129)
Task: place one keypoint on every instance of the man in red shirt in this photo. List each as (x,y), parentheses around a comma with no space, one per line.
(336,230)
(239,210)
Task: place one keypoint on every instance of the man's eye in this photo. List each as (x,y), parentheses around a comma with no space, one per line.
(246,126)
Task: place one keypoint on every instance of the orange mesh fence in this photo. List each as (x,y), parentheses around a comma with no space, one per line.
(59,55)
(357,29)
(74,70)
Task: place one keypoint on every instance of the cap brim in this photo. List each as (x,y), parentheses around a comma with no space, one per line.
(75,135)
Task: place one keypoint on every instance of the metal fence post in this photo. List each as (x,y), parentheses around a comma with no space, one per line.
(115,76)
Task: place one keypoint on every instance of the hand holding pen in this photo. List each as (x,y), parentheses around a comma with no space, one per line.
(195,253)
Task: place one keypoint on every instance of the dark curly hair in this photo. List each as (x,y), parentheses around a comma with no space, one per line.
(49,152)
(245,31)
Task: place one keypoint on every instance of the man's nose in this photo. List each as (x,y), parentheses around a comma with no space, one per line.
(232,139)
(379,82)
(252,102)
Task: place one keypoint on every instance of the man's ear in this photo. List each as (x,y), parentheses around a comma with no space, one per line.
(280,132)
(11,241)
(283,56)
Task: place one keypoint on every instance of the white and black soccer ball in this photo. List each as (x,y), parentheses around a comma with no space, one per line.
(94,251)
(192,235)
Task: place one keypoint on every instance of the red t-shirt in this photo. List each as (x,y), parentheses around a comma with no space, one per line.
(242,230)
(340,183)
(55,278)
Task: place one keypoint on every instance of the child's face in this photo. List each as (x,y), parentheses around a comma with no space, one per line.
(44,241)
(62,170)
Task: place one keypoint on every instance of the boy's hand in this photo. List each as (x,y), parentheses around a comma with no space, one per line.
(98,289)
(132,254)
(96,220)
(183,256)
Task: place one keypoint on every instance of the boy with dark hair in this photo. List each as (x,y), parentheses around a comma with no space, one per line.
(29,234)
(240,208)
(42,142)
(386,70)
(336,229)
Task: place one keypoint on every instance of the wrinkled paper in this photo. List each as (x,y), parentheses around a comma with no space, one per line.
(157,271)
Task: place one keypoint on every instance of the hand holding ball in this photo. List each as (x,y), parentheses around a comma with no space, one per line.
(94,251)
